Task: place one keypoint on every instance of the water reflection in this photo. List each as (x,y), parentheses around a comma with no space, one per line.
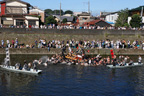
(15,80)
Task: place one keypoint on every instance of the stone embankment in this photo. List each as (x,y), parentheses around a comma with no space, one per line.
(58,51)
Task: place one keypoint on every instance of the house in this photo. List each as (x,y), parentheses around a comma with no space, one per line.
(39,12)
(111,18)
(59,18)
(76,13)
(103,15)
(139,11)
(100,23)
(85,17)
(16,12)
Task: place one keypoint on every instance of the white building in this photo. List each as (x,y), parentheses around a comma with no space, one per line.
(111,18)
(39,12)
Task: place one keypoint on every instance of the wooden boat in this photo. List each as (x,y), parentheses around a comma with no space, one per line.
(125,66)
(13,69)
(74,57)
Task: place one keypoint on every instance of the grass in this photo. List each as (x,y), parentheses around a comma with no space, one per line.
(30,38)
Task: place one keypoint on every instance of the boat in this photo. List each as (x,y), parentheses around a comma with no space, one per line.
(73,57)
(7,66)
(13,69)
(125,66)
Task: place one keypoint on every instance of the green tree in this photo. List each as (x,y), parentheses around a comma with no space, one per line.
(122,18)
(68,12)
(136,21)
(50,20)
(126,25)
(64,20)
(48,11)
(57,12)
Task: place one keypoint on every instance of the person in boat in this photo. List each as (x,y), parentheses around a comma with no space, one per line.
(131,62)
(108,60)
(126,59)
(34,67)
(89,61)
(114,61)
(139,59)
(25,66)
(17,66)
(123,63)
(29,65)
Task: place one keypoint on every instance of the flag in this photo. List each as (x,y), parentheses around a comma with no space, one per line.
(112,53)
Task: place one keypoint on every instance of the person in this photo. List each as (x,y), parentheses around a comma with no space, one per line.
(34,67)
(123,63)
(25,67)
(29,65)
(70,50)
(131,62)
(139,59)
(17,66)
(114,61)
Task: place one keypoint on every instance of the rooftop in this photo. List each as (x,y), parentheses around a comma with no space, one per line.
(7,1)
(137,9)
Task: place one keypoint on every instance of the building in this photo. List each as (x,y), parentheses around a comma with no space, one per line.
(38,12)
(16,12)
(59,18)
(100,23)
(103,15)
(76,13)
(84,17)
(139,11)
(111,18)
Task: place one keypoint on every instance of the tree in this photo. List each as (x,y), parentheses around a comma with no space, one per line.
(57,12)
(50,20)
(64,20)
(122,18)
(68,12)
(136,21)
(48,11)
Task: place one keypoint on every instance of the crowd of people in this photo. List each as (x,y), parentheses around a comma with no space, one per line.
(99,44)
(90,61)
(68,26)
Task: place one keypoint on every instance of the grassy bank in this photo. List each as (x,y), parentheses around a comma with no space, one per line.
(30,38)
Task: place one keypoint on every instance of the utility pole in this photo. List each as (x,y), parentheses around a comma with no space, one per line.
(142,12)
(60,13)
(55,12)
(88,6)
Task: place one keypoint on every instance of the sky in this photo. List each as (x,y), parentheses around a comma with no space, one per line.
(96,6)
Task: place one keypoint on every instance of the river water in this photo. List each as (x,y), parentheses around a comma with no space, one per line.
(63,80)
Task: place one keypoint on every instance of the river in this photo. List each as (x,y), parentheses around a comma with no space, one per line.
(63,80)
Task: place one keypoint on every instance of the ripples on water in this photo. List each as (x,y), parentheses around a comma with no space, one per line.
(62,80)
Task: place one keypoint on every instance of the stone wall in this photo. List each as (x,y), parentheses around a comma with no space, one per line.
(58,51)
(71,31)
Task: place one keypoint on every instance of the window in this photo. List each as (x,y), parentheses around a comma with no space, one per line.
(31,22)
(112,18)
(20,22)
(85,18)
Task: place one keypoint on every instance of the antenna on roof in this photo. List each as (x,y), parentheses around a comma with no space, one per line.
(88,3)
